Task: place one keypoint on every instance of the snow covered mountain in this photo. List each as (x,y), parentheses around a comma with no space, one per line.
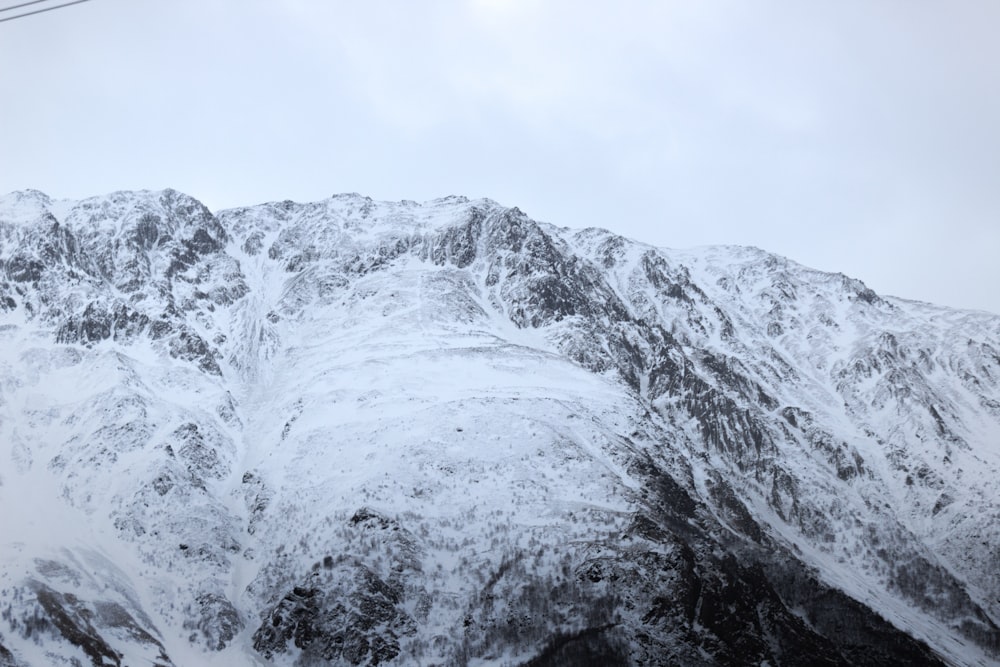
(359,432)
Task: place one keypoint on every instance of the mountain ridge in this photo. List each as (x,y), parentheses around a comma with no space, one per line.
(832,443)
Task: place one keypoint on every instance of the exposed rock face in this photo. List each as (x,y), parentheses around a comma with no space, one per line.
(370,433)
(343,613)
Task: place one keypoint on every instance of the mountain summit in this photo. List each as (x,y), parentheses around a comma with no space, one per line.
(354,432)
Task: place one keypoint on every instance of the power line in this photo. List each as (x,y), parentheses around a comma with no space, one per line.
(37,11)
(23,4)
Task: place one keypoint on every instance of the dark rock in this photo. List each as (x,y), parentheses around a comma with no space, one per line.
(75,627)
(163,483)
(7,658)
(458,245)
(733,510)
(24,269)
(146,232)
(257,497)
(254,243)
(188,345)
(97,323)
(368,515)
(344,612)
(861,636)
(591,647)
(78,622)
(216,620)
(199,454)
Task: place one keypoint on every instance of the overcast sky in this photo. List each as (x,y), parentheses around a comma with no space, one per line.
(860,136)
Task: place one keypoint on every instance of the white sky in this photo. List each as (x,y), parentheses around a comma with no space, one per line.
(860,136)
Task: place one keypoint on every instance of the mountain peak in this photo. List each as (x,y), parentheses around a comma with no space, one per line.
(397,432)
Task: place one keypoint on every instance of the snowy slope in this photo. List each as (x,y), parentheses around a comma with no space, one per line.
(359,432)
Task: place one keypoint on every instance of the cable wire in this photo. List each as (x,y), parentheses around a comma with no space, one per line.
(23,4)
(37,11)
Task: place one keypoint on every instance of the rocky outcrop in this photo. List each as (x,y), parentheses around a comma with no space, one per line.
(342,612)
